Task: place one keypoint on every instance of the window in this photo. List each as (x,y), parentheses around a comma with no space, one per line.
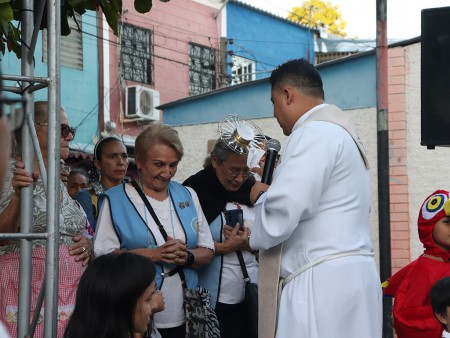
(71,45)
(243,70)
(136,54)
(202,69)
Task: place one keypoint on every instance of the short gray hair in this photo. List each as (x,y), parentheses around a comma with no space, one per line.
(157,134)
(41,111)
(221,150)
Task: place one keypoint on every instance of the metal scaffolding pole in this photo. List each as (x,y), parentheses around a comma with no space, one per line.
(53,163)
(26,201)
(29,139)
(384,218)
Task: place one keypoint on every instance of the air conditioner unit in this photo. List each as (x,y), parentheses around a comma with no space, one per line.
(141,103)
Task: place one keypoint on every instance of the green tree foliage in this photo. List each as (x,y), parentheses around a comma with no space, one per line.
(320,14)
(10,34)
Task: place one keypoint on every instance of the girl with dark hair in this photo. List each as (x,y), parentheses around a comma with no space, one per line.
(111,162)
(116,297)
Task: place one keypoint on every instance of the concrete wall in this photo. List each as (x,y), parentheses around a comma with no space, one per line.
(427,169)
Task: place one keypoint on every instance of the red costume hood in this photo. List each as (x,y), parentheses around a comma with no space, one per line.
(436,206)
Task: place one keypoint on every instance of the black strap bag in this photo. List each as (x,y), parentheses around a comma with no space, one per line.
(251,298)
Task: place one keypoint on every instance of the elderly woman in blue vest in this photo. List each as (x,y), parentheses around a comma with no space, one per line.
(224,184)
(126,223)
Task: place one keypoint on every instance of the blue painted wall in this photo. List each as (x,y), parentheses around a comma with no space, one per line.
(267,39)
(79,88)
(249,100)
(349,84)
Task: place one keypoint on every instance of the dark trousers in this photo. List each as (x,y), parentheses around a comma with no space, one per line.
(173,332)
(232,320)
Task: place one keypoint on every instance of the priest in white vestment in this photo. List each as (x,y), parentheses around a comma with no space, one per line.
(318,208)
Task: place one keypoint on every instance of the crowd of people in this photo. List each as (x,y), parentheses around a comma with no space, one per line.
(129,248)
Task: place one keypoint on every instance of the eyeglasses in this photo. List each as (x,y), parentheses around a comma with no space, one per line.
(14,110)
(233,173)
(65,129)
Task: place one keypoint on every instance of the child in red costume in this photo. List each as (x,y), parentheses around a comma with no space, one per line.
(413,315)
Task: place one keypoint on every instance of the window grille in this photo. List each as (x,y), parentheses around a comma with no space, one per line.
(136,54)
(202,69)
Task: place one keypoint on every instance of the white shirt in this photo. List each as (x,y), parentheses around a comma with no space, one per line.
(3,332)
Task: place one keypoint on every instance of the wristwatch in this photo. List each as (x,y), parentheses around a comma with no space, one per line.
(190,258)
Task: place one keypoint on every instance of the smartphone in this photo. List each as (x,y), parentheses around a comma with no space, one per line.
(234,216)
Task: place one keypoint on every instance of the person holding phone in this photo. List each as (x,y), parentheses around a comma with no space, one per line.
(235,217)
(223,188)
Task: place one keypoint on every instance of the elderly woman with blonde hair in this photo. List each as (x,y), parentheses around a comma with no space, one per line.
(171,229)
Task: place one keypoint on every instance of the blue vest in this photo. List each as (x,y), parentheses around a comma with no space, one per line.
(209,276)
(133,232)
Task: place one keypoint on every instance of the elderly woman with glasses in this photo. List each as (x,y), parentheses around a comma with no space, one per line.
(223,185)
(75,248)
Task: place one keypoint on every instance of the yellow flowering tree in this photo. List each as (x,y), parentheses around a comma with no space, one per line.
(319,14)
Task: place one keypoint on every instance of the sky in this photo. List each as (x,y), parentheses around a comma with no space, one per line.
(403,16)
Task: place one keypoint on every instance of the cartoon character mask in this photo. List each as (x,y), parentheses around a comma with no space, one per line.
(436,206)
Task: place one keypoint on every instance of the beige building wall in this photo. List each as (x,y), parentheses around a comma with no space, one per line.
(427,169)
